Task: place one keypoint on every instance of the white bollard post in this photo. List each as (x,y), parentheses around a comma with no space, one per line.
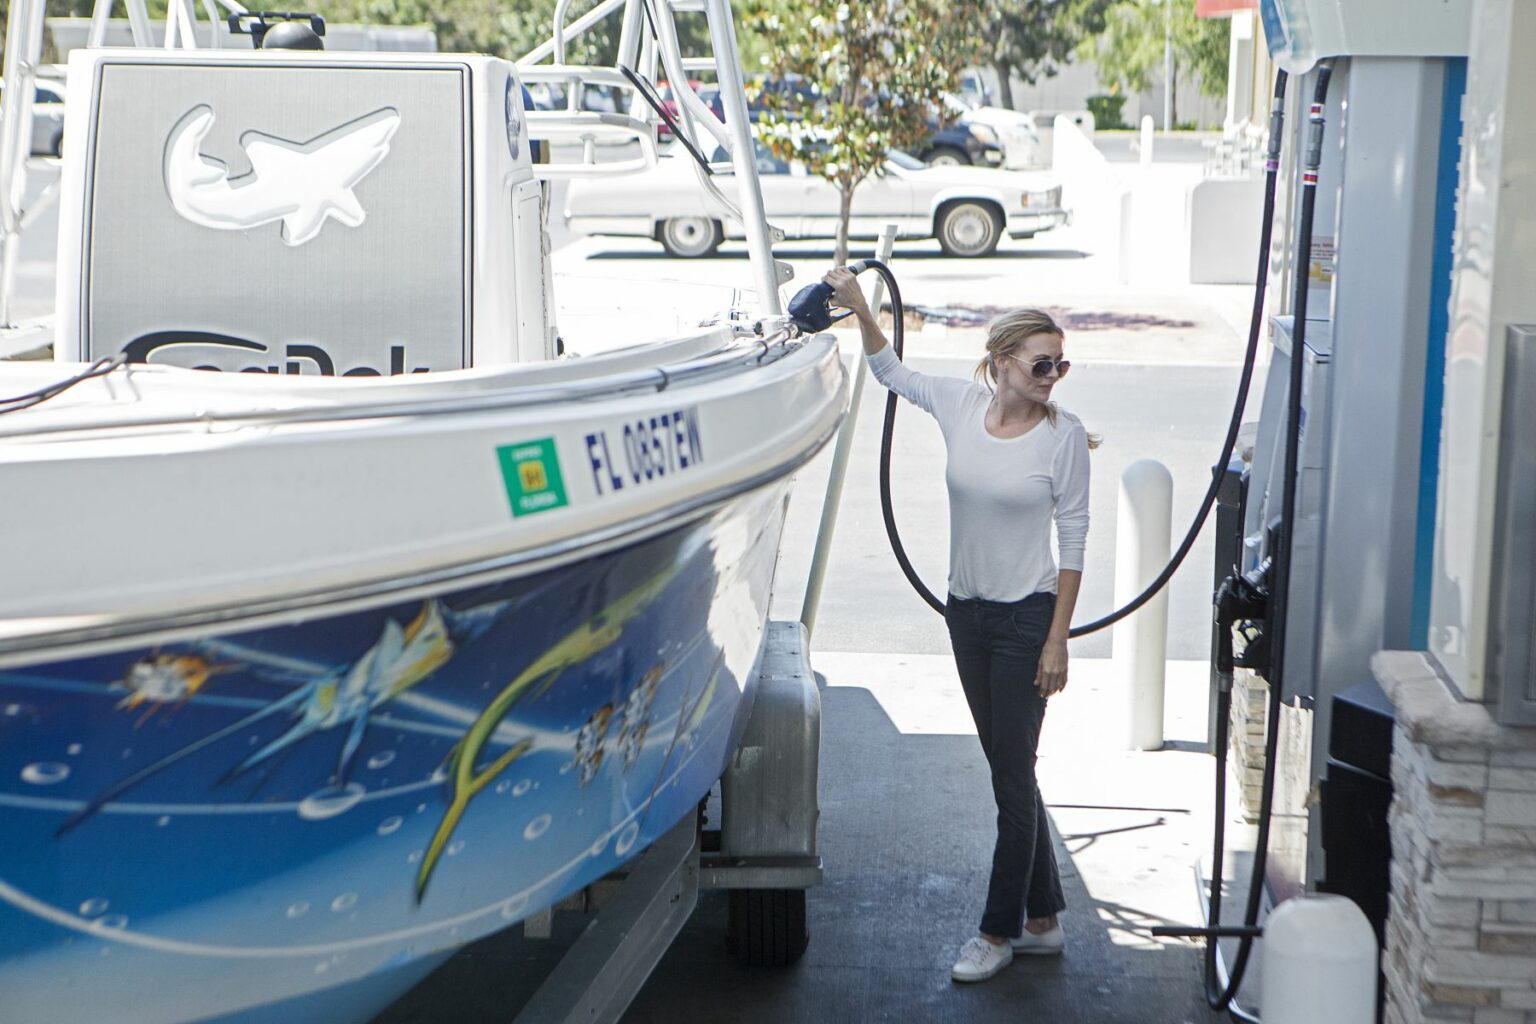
(1146,139)
(834,496)
(1142,541)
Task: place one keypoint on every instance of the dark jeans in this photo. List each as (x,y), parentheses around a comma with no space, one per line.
(997,649)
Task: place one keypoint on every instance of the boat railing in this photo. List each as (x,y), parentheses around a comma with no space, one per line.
(22,68)
(590,129)
(648,41)
(778,342)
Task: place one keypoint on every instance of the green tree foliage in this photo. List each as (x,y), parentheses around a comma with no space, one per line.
(483,26)
(1129,51)
(462,26)
(863,78)
(1036,38)
(505,29)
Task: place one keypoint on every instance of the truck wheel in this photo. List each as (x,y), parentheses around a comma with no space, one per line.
(946,156)
(766,927)
(688,237)
(969,228)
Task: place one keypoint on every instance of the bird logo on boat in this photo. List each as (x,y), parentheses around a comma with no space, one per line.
(322,699)
(300,185)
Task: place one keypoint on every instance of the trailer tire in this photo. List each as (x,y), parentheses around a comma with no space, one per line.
(767,927)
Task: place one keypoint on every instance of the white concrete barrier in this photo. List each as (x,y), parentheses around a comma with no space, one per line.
(1223,225)
(1093,190)
(1143,534)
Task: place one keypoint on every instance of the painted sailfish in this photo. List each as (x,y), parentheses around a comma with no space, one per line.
(397,661)
(593,636)
(299,184)
(326,698)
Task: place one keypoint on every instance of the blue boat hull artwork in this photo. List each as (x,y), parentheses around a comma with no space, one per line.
(298,822)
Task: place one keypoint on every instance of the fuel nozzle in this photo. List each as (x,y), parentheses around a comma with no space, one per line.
(1242,608)
(811,308)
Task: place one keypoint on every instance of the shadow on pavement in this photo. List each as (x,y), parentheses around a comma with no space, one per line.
(906,838)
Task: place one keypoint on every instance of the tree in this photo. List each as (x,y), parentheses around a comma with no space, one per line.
(858,79)
(482,26)
(1130,50)
(1036,38)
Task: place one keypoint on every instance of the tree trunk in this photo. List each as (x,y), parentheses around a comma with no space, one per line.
(844,209)
(1173,96)
(1004,84)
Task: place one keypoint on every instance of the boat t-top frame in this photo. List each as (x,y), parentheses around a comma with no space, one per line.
(608,143)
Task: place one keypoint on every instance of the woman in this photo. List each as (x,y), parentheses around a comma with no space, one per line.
(1015,462)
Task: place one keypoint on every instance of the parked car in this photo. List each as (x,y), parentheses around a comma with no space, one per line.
(707,92)
(604,99)
(799,95)
(47,117)
(1012,130)
(957,136)
(960,143)
(968,209)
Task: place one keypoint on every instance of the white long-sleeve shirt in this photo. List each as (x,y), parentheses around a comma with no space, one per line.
(1003,493)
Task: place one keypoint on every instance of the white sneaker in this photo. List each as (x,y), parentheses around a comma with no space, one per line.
(1047,943)
(980,959)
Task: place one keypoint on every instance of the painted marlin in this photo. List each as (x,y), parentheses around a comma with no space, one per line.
(328,698)
(593,636)
(299,184)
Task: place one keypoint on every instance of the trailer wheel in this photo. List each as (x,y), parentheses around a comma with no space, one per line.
(766,927)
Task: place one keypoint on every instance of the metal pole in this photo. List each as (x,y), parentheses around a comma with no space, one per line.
(1167,66)
(833,500)
(101,14)
(1142,542)
(23,50)
(722,32)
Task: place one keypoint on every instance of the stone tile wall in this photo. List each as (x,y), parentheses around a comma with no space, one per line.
(1461,929)
(1250,699)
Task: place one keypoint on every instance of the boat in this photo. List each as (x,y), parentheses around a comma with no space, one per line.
(309,679)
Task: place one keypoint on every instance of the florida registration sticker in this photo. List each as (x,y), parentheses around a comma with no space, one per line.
(531,472)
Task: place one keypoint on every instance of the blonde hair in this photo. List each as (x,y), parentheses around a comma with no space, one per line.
(1006,334)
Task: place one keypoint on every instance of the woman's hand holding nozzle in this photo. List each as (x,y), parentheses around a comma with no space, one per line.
(846,291)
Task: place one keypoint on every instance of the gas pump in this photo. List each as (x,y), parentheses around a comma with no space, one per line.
(1337,540)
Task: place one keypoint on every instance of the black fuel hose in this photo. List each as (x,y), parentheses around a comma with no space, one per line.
(1280,590)
(1228,446)
(1221,986)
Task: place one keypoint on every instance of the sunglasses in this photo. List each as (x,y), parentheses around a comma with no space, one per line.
(1040,367)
